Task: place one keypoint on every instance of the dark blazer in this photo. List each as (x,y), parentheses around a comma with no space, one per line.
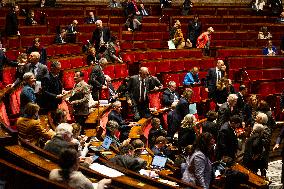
(168,97)
(282,100)
(240,102)
(181,110)
(227,142)
(186,136)
(134,87)
(29,21)
(154,82)
(42,70)
(12,24)
(57,144)
(193,31)
(42,51)
(210,127)
(211,79)
(266,52)
(51,87)
(225,113)
(70,29)
(96,80)
(89,20)
(58,39)
(111,54)
(97,36)
(123,127)
(92,60)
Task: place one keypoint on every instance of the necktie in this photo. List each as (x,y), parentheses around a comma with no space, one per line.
(143,90)
(33,69)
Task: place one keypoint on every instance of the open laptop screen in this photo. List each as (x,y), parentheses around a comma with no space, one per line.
(107,142)
(159,161)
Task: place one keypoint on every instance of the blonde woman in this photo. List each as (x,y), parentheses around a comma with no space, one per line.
(186,134)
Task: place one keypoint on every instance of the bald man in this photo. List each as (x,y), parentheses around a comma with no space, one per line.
(138,88)
(213,76)
(38,69)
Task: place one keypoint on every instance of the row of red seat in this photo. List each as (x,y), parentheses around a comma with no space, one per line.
(256,62)
(115,71)
(52,50)
(176,65)
(136,56)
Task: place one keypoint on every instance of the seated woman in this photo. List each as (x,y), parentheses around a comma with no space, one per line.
(112,53)
(30,128)
(198,169)
(270,49)
(68,173)
(132,23)
(93,57)
(30,19)
(264,33)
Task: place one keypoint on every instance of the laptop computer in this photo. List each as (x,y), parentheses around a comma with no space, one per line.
(159,162)
(105,145)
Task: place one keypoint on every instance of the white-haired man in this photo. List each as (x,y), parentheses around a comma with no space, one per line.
(34,66)
(228,109)
(61,140)
(101,35)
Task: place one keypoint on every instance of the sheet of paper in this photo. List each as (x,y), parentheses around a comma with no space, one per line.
(105,170)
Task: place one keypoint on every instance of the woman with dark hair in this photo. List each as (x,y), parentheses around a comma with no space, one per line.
(263,107)
(198,169)
(68,172)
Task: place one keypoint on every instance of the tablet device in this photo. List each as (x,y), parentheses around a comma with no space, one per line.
(159,162)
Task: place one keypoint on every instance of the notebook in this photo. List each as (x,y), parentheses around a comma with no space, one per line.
(105,145)
(159,162)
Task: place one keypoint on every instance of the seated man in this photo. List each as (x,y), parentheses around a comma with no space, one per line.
(170,95)
(270,49)
(115,115)
(60,37)
(71,32)
(127,160)
(61,140)
(155,132)
(191,78)
(132,23)
(91,19)
(37,48)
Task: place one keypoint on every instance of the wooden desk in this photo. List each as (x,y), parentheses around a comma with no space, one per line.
(96,114)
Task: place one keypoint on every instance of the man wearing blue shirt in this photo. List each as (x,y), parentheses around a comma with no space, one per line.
(191,78)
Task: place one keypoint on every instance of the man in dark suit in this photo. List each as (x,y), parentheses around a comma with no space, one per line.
(227,142)
(60,37)
(101,35)
(71,32)
(91,19)
(52,88)
(194,30)
(227,110)
(181,110)
(213,76)
(12,22)
(36,48)
(97,79)
(170,95)
(115,115)
(138,88)
(38,69)
(241,97)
